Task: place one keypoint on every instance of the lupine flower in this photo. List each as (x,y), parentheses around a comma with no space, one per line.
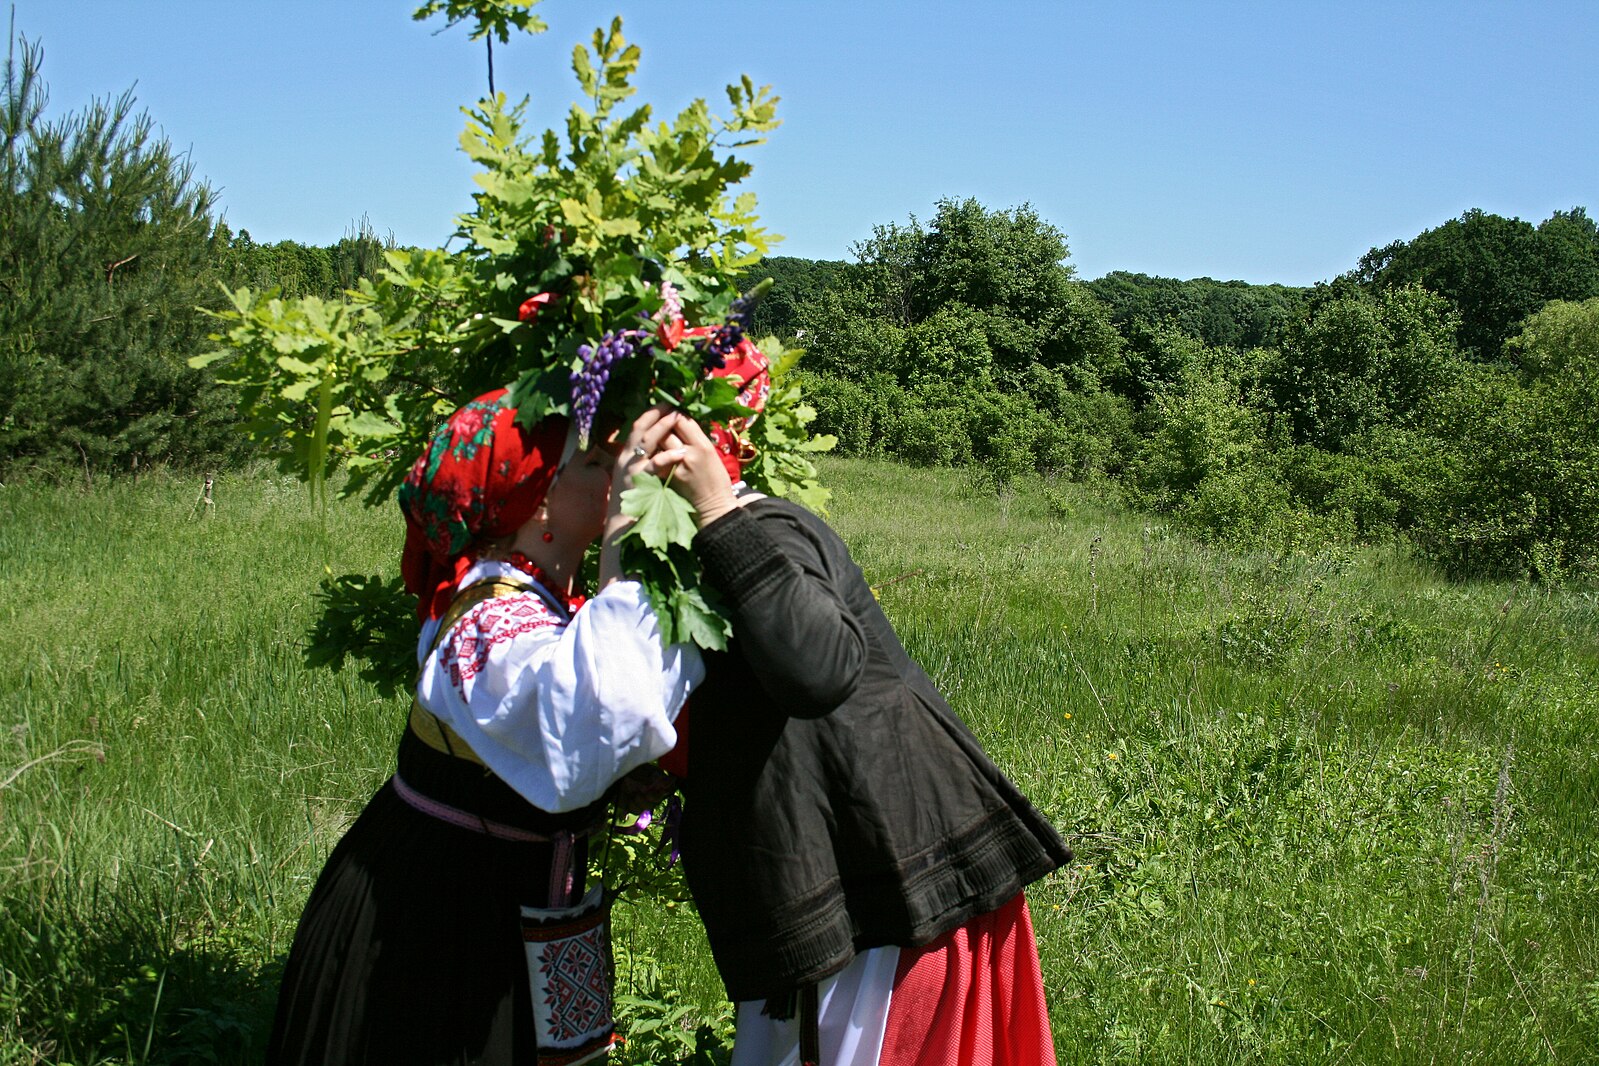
(533,305)
(589,380)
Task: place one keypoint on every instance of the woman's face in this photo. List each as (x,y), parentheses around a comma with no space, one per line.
(576,503)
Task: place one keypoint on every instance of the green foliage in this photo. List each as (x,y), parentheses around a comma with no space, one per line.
(296,269)
(1355,492)
(1560,340)
(1008,267)
(1202,426)
(572,238)
(1355,362)
(1494,271)
(949,346)
(852,412)
(658,1026)
(663,521)
(370,620)
(597,218)
(1517,487)
(1219,314)
(782,437)
(966,341)
(106,244)
(489,17)
(797,284)
(315,375)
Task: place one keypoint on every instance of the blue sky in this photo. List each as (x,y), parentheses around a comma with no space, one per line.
(1262,141)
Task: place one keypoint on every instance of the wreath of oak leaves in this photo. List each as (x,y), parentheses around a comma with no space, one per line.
(599,215)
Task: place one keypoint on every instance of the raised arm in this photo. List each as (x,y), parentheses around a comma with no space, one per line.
(790,616)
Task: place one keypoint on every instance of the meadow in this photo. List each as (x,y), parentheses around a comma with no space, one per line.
(1327,807)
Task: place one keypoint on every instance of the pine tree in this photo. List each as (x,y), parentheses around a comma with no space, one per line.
(106,252)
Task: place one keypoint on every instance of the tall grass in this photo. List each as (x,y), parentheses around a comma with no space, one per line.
(1326,807)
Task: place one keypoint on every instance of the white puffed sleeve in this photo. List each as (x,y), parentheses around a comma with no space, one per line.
(560,709)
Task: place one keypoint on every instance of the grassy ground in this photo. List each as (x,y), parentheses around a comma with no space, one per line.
(1326,808)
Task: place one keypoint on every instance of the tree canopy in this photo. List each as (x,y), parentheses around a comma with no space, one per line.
(1494,270)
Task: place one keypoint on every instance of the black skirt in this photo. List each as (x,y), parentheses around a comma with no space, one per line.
(410,948)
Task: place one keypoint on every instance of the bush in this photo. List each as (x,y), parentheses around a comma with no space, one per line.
(1516,485)
(928,436)
(1244,507)
(856,413)
(1202,428)
(1345,489)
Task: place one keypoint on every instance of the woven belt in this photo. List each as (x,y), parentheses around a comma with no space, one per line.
(438,735)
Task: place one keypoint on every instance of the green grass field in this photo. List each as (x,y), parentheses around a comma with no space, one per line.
(1327,808)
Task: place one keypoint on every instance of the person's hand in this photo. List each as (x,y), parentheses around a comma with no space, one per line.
(696,469)
(644,439)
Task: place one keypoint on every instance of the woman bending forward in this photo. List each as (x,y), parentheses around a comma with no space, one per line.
(451,923)
(857,860)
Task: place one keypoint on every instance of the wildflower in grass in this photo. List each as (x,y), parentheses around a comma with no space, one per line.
(1111,755)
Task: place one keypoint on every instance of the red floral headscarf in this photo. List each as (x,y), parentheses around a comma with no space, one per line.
(482,476)
(749,369)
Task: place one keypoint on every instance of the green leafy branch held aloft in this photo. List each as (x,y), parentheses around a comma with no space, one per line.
(575,237)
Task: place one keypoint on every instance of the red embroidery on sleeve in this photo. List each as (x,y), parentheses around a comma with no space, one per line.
(485,627)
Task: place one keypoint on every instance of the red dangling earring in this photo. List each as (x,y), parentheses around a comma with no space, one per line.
(548,536)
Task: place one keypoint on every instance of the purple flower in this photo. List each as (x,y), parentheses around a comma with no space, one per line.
(590,378)
(724,341)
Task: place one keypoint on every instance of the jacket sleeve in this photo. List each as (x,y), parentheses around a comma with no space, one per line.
(795,631)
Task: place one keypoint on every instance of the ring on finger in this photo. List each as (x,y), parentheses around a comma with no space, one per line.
(639,452)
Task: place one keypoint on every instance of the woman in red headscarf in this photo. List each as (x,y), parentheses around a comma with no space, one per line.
(451,923)
(857,860)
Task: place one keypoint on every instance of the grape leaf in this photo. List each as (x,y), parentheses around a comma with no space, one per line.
(661,516)
(697,621)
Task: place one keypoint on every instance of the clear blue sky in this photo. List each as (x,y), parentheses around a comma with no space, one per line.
(1263,141)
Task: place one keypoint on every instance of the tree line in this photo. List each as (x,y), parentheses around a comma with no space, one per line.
(1441,391)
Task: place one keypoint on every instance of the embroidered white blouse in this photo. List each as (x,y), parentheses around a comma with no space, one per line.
(559,707)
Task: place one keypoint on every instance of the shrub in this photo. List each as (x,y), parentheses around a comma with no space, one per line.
(928,436)
(1344,488)
(856,413)
(1202,428)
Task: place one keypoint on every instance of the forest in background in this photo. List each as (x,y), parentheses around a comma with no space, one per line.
(1439,392)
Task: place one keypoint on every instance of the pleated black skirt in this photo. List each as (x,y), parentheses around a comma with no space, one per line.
(410,948)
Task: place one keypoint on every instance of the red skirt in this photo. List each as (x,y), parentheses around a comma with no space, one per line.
(973,997)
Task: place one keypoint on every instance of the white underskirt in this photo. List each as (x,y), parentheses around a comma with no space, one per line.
(852,1014)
